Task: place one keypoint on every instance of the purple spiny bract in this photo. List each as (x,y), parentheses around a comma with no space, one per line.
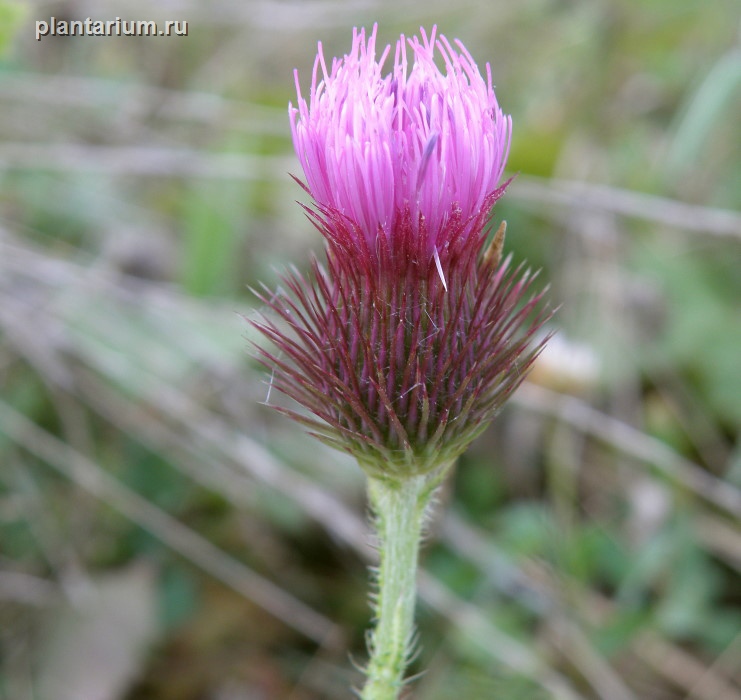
(409,340)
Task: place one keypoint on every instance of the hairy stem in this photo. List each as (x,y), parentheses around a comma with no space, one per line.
(399,508)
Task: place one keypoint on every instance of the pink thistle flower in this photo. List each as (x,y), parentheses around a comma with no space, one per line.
(416,142)
(410,339)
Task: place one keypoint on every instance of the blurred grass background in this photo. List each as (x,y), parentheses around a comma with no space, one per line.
(165,536)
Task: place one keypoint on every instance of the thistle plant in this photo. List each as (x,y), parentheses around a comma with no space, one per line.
(408,339)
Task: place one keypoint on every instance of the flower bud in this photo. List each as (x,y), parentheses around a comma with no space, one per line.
(411,337)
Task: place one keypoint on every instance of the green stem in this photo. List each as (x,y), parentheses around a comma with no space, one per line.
(399,507)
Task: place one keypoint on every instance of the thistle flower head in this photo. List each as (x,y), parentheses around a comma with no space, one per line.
(410,339)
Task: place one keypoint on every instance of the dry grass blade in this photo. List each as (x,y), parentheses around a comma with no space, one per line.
(660,210)
(631,442)
(501,646)
(683,670)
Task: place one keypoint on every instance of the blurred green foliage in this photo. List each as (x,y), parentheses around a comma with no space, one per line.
(12,17)
(144,187)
